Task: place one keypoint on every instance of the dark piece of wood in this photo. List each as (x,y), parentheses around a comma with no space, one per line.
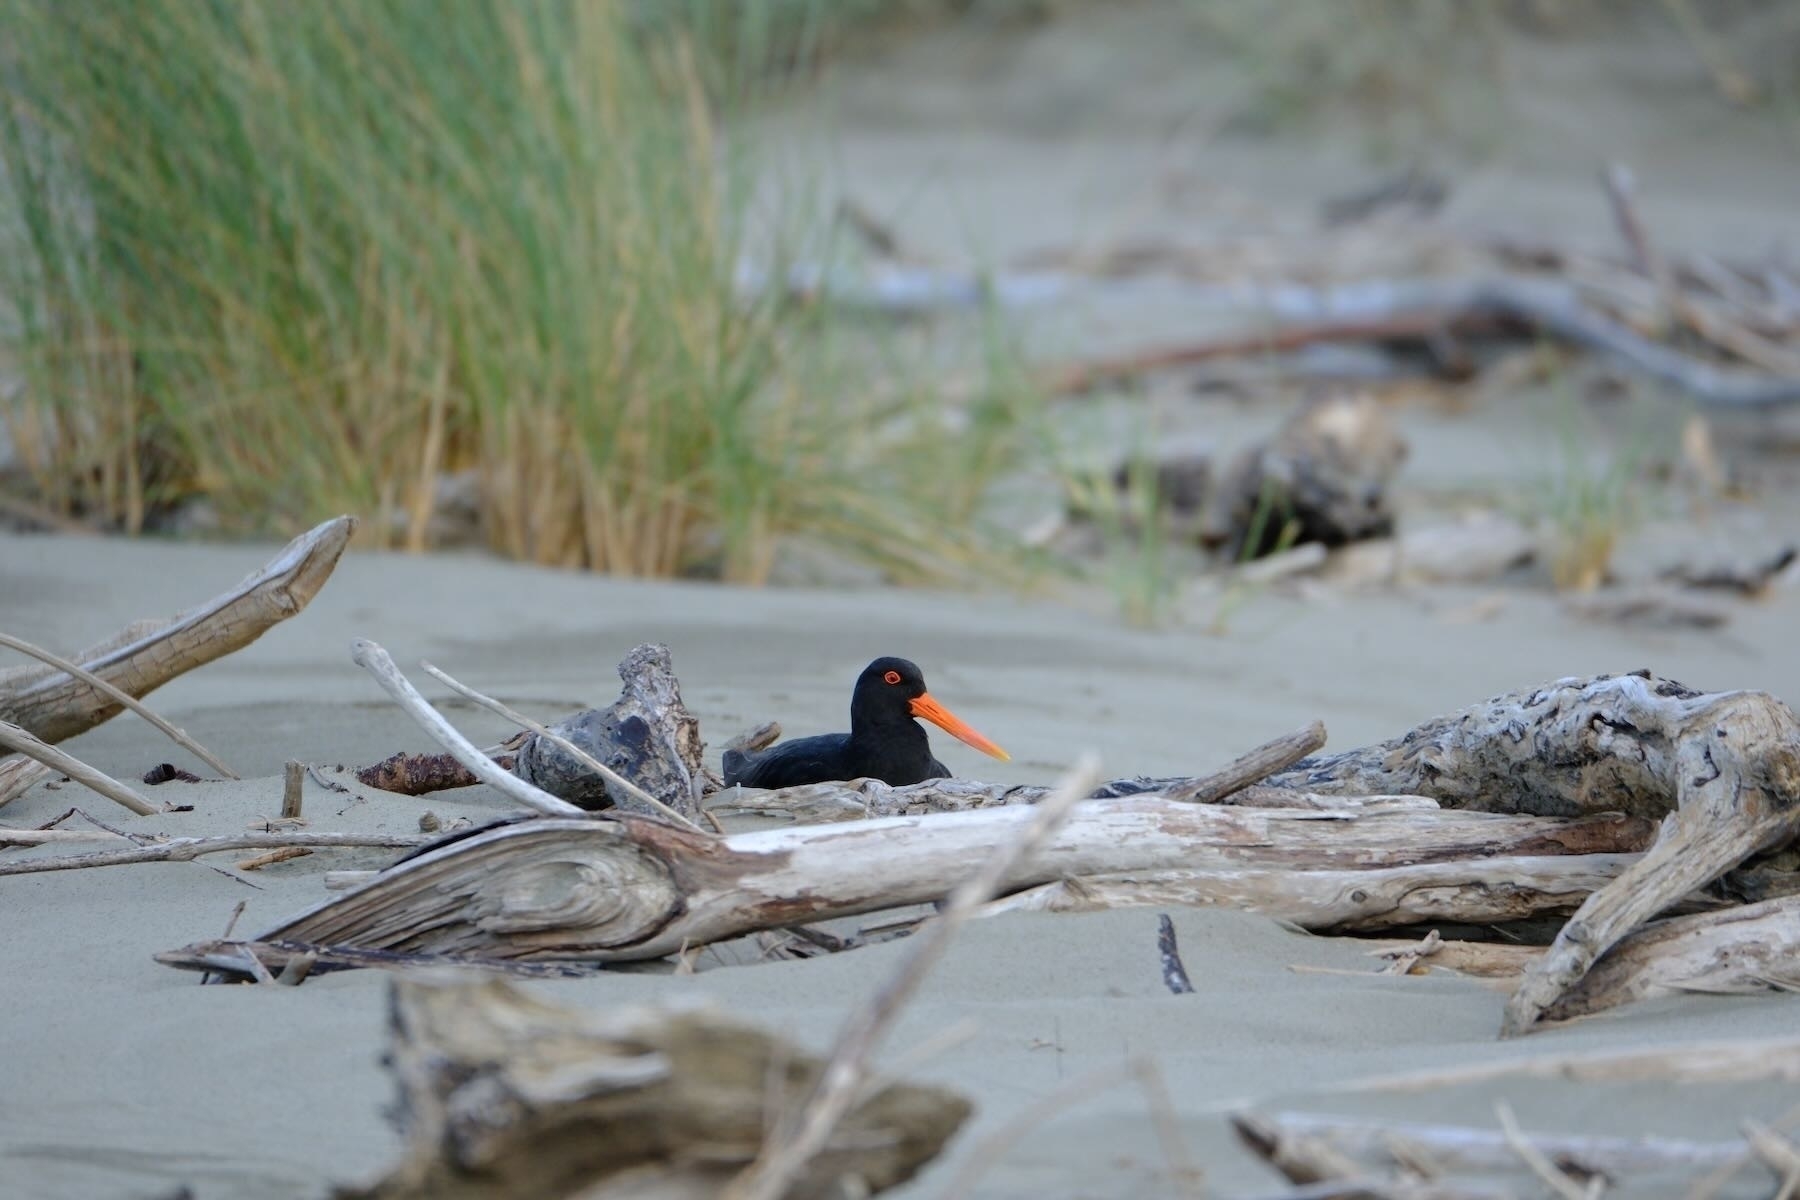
(169,773)
(647,735)
(1174,971)
(421,774)
(505,1097)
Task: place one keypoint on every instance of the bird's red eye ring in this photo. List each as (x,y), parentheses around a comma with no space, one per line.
(891,677)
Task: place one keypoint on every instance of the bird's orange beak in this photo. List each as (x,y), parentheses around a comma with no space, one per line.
(928,709)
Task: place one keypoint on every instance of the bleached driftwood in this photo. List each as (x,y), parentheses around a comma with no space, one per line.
(1464,890)
(147,654)
(1721,769)
(631,887)
(22,741)
(1745,1060)
(185,849)
(76,670)
(18,776)
(1464,1148)
(1750,948)
(506,1097)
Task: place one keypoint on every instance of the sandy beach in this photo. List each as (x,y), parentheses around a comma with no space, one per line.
(122,1079)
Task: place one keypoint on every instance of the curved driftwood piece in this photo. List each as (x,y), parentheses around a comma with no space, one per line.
(1721,768)
(18,776)
(1752,948)
(647,735)
(1475,891)
(147,654)
(505,1097)
(23,742)
(1465,1148)
(626,887)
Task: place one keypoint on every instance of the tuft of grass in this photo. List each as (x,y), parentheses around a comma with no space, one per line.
(1589,498)
(303,259)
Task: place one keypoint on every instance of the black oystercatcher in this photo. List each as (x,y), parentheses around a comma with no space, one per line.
(884,741)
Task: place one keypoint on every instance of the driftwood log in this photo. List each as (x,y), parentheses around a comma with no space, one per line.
(53,707)
(625,887)
(504,1097)
(1721,770)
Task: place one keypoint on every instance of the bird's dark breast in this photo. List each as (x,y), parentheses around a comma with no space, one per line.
(830,757)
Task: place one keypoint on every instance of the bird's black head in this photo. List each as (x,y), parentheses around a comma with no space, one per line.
(888,688)
(891,691)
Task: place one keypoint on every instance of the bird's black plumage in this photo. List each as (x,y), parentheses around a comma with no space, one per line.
(885,741)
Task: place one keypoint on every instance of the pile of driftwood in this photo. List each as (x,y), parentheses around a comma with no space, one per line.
(1661,822)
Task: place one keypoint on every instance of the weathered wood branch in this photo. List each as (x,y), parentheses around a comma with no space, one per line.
(183,849)
(1722,768)
(22,741)
(1466,1148)
(77,671)
(631,887)
(1462,890)
(505,1097)
(1751,948)
(54,707)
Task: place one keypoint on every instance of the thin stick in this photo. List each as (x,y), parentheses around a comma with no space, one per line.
(804,1130)
(612,777)
(41,837)
(376,661)
(257,968)
(1258,764)
(1175,974)
(178,736)
(185,849)
(271,857)
(1542,1167)
(16,739)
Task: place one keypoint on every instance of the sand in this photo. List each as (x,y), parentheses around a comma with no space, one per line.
(122,1078)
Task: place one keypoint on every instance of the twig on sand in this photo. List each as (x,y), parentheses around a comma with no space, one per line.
(184,849)
(1739,1061)
(20,741)
(178,736)
(270,857)
(1258,764)
(802,1131)
(612,777)
(376,661)
(1554,1176)
(225,956)
(1403,961)
(1175,975)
